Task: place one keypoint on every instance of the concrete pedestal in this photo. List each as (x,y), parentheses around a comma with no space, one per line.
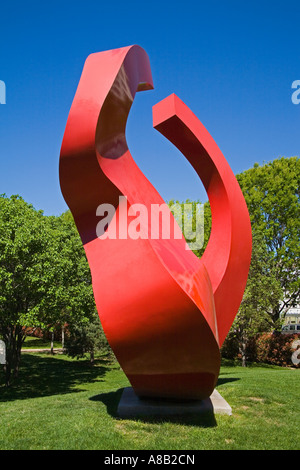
(131,406)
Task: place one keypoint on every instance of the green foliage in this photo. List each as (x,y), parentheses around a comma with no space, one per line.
(44,276)
(193,216)
(23,262)
(262,293)
(272,196)
(69,297)
(271,192)
(86,338)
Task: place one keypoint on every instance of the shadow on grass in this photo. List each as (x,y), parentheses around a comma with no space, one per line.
(111,401)
(44,375)
(224,380)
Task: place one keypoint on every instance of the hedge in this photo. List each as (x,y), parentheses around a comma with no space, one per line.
(269,348)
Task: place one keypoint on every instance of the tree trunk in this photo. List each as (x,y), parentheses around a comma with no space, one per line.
(9,356)
(242,349)
(244,356)
(63,337)
(19,342)
(7,370)
(92,357)
(52,341)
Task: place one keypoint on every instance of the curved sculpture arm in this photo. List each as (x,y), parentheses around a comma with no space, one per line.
(119,74)
(228,253)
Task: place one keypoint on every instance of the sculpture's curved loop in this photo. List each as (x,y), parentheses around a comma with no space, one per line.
(228,254)
(155,298)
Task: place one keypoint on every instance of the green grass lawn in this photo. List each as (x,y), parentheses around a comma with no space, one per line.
(60,403)
(39,343)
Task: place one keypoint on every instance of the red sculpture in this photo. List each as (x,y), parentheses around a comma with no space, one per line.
(165,312)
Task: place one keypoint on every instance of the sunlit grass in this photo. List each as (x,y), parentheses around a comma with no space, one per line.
(60,403)
(32,342)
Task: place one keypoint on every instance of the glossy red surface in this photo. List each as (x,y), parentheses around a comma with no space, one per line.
(164,311)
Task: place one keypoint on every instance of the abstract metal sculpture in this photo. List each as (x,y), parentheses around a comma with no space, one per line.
(164,311)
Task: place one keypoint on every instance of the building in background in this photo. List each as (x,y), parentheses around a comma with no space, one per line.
(292,320)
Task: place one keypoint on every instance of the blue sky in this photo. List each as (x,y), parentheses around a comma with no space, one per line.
(233,63)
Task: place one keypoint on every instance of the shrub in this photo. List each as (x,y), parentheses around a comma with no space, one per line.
(269,348)
(86,338)
(275,348)
(230,347)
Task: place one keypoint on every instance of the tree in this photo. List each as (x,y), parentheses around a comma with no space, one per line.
(263,292)
(271,192)
(272,195)
(86,337)
(44,275)
(23,241)
(194,219)
(69,297)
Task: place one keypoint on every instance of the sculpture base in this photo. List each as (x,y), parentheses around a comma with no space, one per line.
(131,406)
